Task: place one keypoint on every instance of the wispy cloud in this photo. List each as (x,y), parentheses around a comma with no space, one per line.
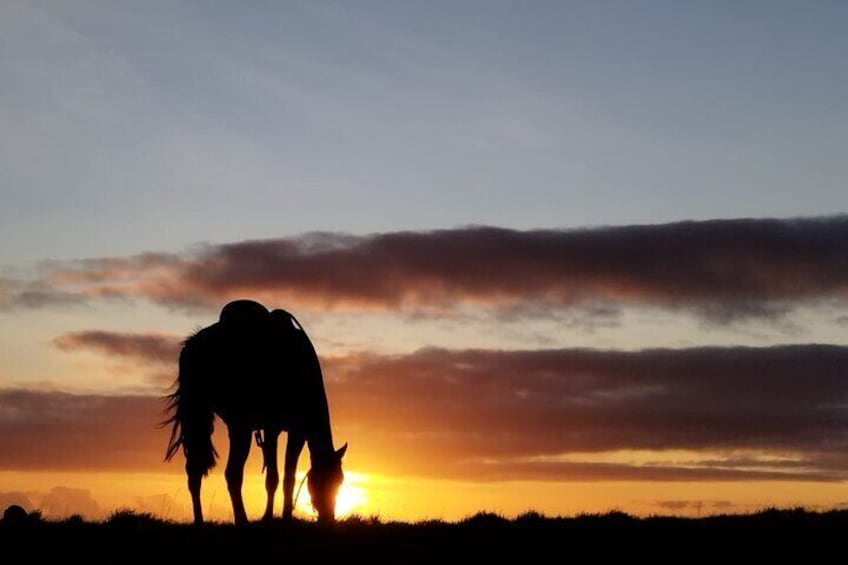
(720,270)
(148,348)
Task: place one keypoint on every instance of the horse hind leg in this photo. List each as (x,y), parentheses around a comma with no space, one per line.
(195,478)
(239,449)
(294,446)
(272,473)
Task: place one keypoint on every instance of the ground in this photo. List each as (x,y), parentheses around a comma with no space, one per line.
(782,536)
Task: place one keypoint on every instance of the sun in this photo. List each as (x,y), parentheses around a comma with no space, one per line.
(352,497)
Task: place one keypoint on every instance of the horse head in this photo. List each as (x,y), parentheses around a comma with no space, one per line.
(324,479)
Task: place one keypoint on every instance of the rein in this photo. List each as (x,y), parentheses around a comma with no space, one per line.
(297,496)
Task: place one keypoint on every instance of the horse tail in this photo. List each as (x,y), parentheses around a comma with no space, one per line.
(191,415)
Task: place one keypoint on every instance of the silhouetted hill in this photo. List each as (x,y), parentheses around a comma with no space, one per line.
(773,536)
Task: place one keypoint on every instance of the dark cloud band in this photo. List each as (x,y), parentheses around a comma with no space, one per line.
(517,414)
(722,269)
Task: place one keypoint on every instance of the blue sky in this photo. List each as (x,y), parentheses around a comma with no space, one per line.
(128,127)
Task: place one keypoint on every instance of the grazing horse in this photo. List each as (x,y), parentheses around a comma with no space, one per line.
(258,371)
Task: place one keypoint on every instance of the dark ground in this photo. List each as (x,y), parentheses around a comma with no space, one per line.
(782,536)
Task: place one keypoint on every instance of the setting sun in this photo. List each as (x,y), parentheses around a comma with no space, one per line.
(352,497)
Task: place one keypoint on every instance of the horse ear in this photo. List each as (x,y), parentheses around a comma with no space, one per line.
(341,451)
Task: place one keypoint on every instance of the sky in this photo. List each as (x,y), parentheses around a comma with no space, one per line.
(564,256)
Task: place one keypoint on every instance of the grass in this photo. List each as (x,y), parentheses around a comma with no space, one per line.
(771,536)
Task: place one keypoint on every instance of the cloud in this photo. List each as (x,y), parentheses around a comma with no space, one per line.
(35,294)
(150,348)
(764,413)
(54,430)
(151,356)
(64,501)
(473,408)
(722,270)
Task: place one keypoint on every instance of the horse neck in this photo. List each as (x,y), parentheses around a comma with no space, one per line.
(320,438)
(320,444)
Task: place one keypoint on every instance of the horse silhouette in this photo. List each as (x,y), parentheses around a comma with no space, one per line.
(259,372)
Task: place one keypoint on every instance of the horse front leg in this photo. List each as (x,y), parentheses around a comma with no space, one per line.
(272,474)
(239,449)
(294,445)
